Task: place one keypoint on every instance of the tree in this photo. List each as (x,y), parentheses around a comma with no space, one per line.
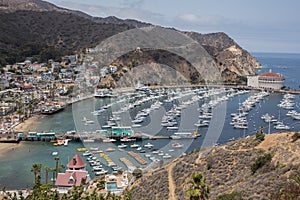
(60,168)
(260,161)
(127,195)
(261,130)
(53,174)
(198,189)
(56,161)
(260,134)
(47,169)
(36,170)
(137,173)
(101,184)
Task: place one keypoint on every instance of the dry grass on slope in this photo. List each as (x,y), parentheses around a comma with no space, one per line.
(227,169)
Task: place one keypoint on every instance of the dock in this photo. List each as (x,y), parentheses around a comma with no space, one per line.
(126,162)
(154,137)
(106,158)
(137,158)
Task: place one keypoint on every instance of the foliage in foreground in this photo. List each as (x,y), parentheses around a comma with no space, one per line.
(260,161)
(45,191)
(260,134)
(295,136)
(290,191)
(198,188)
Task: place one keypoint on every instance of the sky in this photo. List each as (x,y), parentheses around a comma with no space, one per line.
(256,25)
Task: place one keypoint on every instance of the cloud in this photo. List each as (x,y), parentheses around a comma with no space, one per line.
(199,20)
(137,4)
(130,10)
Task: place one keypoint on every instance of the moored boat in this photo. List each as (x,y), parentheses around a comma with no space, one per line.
(177,145)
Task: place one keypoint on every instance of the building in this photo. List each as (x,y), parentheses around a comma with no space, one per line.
(116,184)
(75,175)
(268,80)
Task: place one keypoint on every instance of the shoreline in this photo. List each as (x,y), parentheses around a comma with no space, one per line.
(26,125)
(6,148)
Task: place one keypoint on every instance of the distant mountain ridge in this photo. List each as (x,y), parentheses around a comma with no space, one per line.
(35,27)
(30,5)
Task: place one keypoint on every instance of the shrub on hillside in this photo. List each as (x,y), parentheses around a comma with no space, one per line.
(231,196)
(260,161)
(295,136)
(260,136)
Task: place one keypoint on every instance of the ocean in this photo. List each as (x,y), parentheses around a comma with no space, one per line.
(17,165)
(287,64)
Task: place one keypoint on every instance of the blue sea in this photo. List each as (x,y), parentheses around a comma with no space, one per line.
(15,168)
(287,64)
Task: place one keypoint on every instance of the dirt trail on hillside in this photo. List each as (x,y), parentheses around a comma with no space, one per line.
(172,186)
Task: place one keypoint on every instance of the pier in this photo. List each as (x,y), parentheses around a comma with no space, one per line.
(154,137)
(106,158)
(127,163)
(138,158)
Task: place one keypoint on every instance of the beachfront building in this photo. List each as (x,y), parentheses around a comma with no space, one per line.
(268,80)
(75,175)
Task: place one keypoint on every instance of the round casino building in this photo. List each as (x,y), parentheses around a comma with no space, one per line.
(268,80)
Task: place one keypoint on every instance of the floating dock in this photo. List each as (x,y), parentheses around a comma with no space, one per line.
(137,158)
(106,158)
(127,162)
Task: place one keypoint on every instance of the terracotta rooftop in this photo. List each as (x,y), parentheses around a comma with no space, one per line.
(271,74)
(71,178)
(26,86)
(76,162)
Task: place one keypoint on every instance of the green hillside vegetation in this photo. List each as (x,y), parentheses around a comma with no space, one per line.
(49,34)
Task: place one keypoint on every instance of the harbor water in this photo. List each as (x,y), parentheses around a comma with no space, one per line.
(17,164)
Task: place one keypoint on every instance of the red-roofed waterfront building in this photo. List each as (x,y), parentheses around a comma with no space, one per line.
(268,80)
(75,175)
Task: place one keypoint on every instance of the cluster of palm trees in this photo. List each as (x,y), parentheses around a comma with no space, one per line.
(37,168)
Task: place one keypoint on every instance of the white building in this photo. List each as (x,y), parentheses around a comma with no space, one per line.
(268,80)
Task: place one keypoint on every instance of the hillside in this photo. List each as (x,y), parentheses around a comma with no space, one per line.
(227,53)
(227,170)
(27,33)
(43,30)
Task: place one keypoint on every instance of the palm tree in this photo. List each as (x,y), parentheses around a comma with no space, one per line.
(56,160)
(47,169)
(53,174)
(36,170)
(198,189)
(60,168)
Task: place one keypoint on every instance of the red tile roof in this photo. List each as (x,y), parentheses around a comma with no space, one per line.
(26,86)
(271,74)
(76,162)
(71,178)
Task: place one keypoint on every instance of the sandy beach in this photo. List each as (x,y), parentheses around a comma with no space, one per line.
(28,124)
(7,147)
